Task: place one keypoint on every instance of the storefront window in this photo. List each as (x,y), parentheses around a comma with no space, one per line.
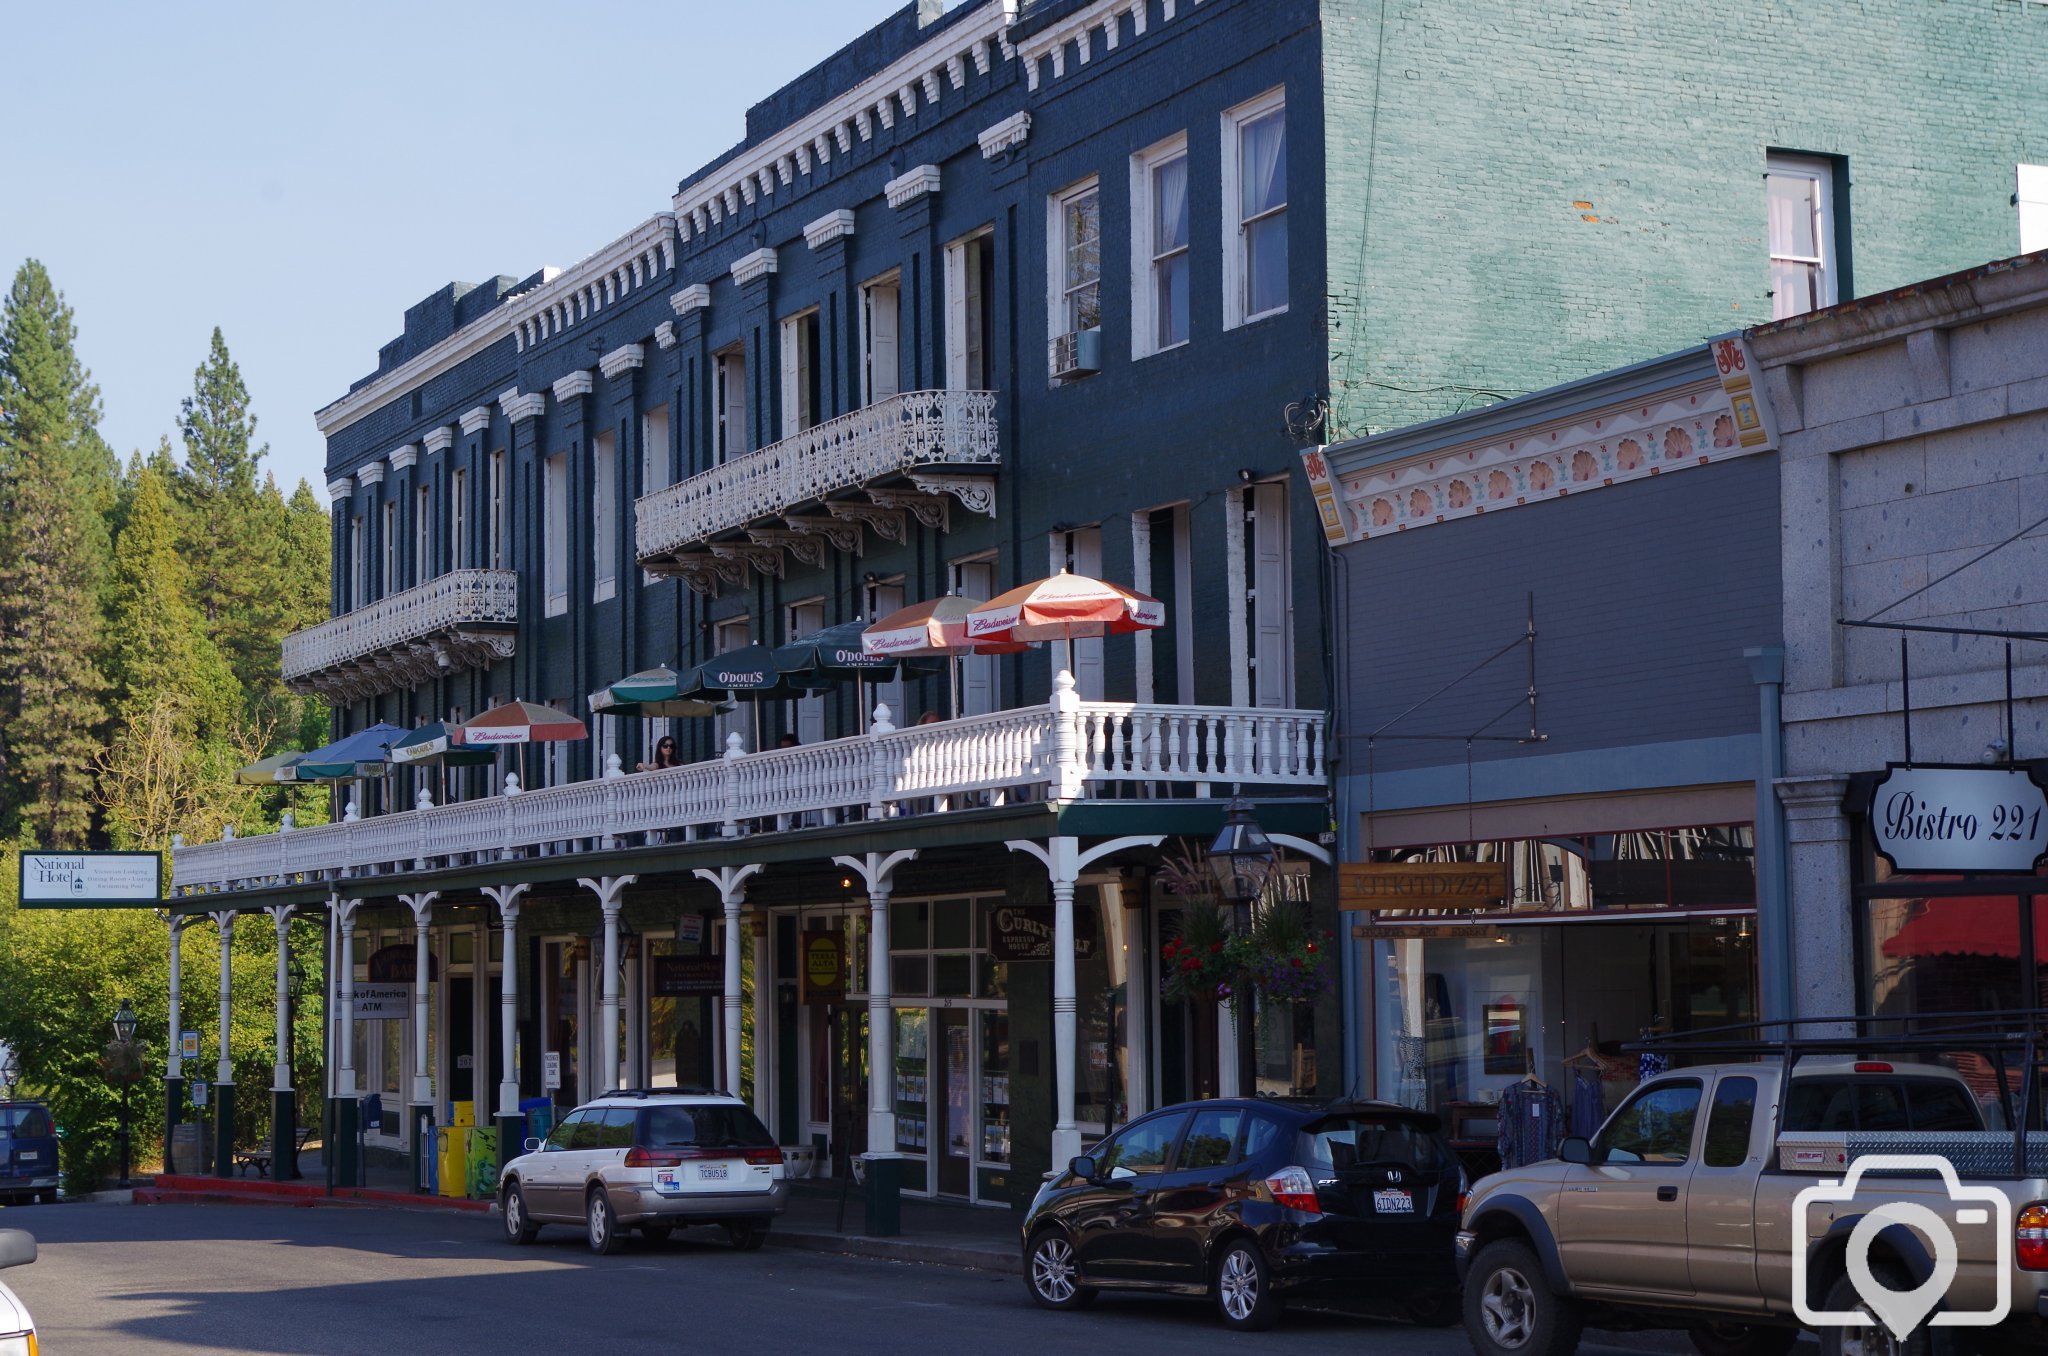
(913,1079)
(1102,965)
(1704,867)
(1926,955)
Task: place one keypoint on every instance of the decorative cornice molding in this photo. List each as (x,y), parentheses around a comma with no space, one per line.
(706,201)
(695,297)
(370,473)
(1006,135)
(759,264)
(338,490)
(580,383)
(621,358)
(442,438)
(911,185)
(476,419)
(1080,29)
(404,457)
(519,407)
(834,225)
(665,335)
(627,264)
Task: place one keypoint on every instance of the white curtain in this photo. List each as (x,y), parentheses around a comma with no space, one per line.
(1264,164)
(1170,206)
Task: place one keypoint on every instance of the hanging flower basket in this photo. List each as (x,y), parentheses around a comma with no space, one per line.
(1281,958)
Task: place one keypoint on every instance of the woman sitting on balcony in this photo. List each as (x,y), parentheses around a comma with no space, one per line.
(664,755)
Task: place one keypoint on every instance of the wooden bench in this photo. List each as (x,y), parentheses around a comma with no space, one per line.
(260,1159)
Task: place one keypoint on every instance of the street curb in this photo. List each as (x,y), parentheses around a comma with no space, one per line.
(898,1250)
(227,1191)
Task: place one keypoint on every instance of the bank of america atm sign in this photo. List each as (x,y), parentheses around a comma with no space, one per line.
(70,880)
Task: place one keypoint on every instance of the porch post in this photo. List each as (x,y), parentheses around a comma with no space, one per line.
(1064,861)
(224,1071)
(878,870)
(511,1122)
(174,1065)
(342,1153)
(420,1110)
(732,893)
(284,1115)
(610,892)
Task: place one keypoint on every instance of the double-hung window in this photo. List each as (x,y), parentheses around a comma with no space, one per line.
(881,320)
(1255,208)
(458,519)
(555,505)
(495,523)
(604,517)
(1077,259)
(803,372)
(423,535)
(729,397)
(1159,236)
(1799,193)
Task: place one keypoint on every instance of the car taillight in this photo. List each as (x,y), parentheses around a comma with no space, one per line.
(1295,1189)
(2030,1238)
(1872,1066)
(1463,1198)
(764,1158)
(640,1156)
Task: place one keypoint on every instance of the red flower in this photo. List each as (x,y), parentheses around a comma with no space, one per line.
(1190,965)
(1296,962)
(1215,948)
(1311,948)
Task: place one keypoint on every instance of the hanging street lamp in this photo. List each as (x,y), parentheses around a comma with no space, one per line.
(124,1035)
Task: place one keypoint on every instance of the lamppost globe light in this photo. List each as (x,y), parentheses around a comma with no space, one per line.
(125,1022)
(1242,857)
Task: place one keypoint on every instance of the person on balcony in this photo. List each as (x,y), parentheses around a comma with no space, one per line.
(664,755)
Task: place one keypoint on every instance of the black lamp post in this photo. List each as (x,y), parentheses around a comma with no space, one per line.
(124,1034)
(1243,860)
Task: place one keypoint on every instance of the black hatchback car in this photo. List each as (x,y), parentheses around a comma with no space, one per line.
(1248,1201)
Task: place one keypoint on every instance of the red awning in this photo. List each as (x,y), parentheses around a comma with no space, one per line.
(1965,925)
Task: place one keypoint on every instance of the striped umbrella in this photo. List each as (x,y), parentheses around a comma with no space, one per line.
(437,742)
(522,723)
(651,692)
(935,626)
(1064,607)
(278,767)
(350,757)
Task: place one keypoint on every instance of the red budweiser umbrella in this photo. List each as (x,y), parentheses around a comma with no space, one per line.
(935,626)
(522,723)
(1063,607)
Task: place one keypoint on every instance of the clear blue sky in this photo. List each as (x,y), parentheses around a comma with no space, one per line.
(300,174)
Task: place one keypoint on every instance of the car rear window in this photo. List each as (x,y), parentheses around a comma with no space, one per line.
(25,1122)
(1834,1104)
(703,1127)
(1339,1142)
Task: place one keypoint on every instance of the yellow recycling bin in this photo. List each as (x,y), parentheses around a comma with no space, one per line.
(452,1153)
(464,1114)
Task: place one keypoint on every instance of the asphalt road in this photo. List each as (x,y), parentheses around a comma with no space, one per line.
(336,1282)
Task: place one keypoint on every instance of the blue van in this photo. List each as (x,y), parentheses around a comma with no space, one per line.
(28,1153)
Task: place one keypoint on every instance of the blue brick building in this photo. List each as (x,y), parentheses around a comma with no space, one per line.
(996,290)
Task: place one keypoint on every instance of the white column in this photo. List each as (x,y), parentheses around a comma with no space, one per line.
(631,971)
(1226,1049)
(732,893)
(345,972)
(610,891)
(506,897)
(281,1067)
(224,1072)
(174,1066)
(1140,993)
(422,906)
(878,871)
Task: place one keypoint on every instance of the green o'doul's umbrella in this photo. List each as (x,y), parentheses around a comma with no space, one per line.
(651,692)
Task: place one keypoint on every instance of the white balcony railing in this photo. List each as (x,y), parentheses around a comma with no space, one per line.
(1070,750)
(897,434)
(462,619)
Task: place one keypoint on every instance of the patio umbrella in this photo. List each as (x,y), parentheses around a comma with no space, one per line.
(1063,607)
(936,626)
(440,743)
(836,655)
(522,723)
(278,767)
(350,757)
(651,692)
(746,674)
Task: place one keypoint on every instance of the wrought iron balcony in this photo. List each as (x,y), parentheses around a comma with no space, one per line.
(903,454)
(464,619)
(1065,751)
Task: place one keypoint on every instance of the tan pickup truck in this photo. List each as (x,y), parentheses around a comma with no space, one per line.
(1685,1211)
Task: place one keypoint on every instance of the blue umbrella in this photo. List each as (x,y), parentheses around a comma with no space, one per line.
(358,755)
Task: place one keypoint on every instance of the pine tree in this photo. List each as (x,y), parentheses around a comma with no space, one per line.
(55,486)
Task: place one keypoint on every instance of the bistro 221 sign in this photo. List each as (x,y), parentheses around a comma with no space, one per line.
(1959,819)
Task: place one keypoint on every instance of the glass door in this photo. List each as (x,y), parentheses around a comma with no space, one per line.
(953,1106)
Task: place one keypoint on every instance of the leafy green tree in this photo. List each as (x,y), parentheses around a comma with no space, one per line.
(56,485)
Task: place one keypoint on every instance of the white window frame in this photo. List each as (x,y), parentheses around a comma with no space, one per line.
(2030,196)
(359,565)
(729,403)
(1236,306)
(1058,290)
(388,547)
(879,597)
(728,634)
(881,376)
(495,559)
(555,540)
(960,281)
(458,518)
(801,364)
(422,534)
(1821,172)
(983,671)
(604,516)
(654,467)
(805,714)
(1144,262)
(1078,550)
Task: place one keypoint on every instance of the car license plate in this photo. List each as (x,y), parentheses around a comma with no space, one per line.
(28,1155)
(716,1174)
(1392,1201)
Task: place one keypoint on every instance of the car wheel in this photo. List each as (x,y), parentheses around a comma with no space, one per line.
(1244,1289)
(519,1228)
(747,1235)
(1052,1273)
(1510,1309)
(601,1225)
(1875,1339)
(1742,1339)
(1439,1310)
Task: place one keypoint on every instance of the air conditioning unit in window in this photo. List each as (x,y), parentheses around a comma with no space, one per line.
(1076,355)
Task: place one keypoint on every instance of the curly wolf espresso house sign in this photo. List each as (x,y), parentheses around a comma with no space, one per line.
(104,880)
(1944,818)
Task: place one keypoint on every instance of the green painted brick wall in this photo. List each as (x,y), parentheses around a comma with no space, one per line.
(1462,137)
